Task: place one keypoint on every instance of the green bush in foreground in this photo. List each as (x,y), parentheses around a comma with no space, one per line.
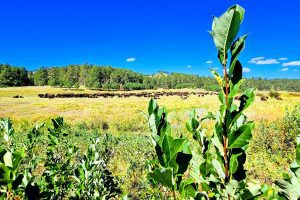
(61,176)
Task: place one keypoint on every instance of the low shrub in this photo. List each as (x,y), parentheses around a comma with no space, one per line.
(274,94)
(273,146)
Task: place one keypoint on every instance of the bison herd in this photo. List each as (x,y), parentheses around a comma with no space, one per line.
(156,95)
(265,98)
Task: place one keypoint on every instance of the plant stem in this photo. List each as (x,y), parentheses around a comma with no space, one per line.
(174,195)
(225,143)
(226,83)
(225,138)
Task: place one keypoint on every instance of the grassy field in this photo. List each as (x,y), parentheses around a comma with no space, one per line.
(122,120)
(121,114)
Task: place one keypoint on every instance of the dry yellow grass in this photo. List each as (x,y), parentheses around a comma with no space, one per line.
(122,114)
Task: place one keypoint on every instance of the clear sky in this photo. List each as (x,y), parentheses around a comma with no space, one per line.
(147,35)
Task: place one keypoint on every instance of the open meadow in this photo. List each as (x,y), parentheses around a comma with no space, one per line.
(123,114)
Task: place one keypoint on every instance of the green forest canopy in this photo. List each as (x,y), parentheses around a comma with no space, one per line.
(109,78)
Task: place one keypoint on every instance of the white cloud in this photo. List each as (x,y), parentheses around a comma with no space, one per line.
(263,61)
(215,68)
(295,70)
(130,59)
(283,69)
(209,62)
(282,58)
(293,63)
(254,60)
(267,62)
(189,66)
(246,69)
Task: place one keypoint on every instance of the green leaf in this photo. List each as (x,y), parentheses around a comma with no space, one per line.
(233,108)
(58,122)
(221,97)
(7,158)
(237,73)
(187,189)
(163,176)
(226,27)
(233,165)
(6,124)
(166,148)
(218,167)
(165,128)
(5,174)
(252,191)
(194,123)
(289,188)
(177,146)
(6,137)
(189,127)
(298,154)
(241,137)
(217,143)
(205,168)
(152,124)
(235,89)
(209,115)
(298,137)
(17,158)
(245,101)
(232,187)
(215,19)
(236,49)
(152,106)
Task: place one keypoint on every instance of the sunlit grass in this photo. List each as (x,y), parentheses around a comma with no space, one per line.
(122,114)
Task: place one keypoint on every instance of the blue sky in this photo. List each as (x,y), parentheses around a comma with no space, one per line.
(147,35)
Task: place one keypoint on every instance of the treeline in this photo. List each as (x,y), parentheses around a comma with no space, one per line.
(109,78)
(14,76)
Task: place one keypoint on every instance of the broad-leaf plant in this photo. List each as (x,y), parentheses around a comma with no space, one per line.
(219,172)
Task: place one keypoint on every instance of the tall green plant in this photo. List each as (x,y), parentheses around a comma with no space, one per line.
(224,152)
(232,132)
(221,172)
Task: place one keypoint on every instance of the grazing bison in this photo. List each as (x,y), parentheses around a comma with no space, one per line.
(18,96)
(184,97)
(263,98)
(237,97)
